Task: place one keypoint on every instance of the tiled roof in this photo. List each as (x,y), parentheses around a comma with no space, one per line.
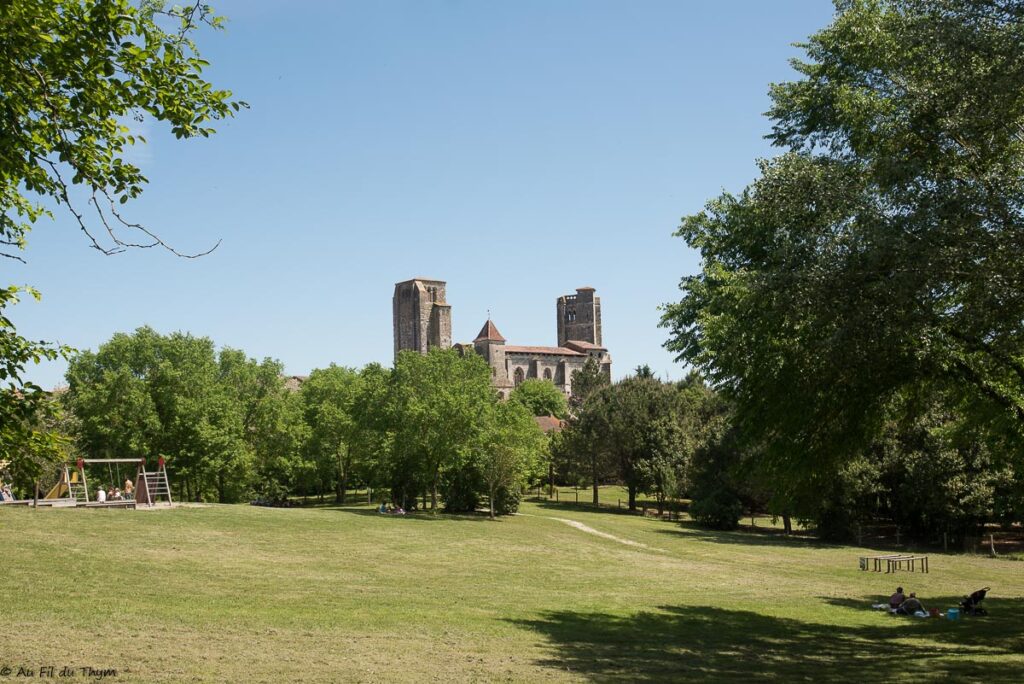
(549,423)
(560,351)
(574,344)
(489,332)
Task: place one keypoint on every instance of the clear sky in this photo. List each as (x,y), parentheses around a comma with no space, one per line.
(516,149)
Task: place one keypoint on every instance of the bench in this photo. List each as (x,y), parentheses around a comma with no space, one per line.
(18,502)
(895,562)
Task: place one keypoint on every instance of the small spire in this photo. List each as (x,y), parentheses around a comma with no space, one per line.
(490,333)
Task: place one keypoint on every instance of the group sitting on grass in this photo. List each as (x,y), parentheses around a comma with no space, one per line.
(901,604)
(112,494)
(386,508)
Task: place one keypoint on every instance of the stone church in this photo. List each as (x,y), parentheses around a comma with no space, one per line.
(423,320)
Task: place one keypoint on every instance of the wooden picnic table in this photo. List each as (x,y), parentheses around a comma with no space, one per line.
(895,562)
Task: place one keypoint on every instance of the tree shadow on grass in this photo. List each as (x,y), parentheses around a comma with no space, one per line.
(582,507)
(688,528)
(716,644)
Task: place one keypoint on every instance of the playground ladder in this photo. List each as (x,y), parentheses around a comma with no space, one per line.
(156,485)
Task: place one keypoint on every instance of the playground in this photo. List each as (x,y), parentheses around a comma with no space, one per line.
(560,593)
(72,489)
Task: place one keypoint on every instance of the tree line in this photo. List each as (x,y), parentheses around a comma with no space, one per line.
(426,433)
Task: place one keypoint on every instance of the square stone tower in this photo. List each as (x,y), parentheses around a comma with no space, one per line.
(422,317)
(579,317)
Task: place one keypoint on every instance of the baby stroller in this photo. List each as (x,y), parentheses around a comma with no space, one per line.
(971,605)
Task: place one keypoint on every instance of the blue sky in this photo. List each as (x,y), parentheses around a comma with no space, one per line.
(518,150)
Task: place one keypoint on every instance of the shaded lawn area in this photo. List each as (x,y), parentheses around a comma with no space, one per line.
(342,593)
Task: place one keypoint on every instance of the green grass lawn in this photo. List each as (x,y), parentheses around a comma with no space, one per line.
(237,593)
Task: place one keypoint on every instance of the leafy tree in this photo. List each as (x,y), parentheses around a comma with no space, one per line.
(882,250)
(72,73)
(511,451)
(147,395)
(541,398)
(586,381)
(271,424)
(329,395)
(634,424)
(437,406)
(26,446)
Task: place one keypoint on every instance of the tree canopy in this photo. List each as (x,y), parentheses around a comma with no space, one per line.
(541,398)
(74,74)
(882,250)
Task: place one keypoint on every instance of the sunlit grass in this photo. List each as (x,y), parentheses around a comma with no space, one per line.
(239,593)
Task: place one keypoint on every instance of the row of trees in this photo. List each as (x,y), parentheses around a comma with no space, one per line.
(231,428)
(861,305)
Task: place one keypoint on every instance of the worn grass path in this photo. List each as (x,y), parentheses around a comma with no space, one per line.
(235,593)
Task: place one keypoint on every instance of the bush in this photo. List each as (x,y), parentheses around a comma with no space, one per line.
(506,501)
(720,508)
(461,490)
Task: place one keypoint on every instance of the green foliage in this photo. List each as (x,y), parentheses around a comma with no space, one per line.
(213,416)
(462,488)
(27,448)
(716,477)
(328,397)
(434,411)
(72,73)
(641,429)
(541,398)
(511,451)
(586,381)
(881,252)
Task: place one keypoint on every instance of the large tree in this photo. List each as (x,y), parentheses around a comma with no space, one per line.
(328,397)
(73,73)
(437,405)
(882,250)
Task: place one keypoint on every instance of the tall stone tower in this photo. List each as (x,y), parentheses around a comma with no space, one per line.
(579,317)
(422,317)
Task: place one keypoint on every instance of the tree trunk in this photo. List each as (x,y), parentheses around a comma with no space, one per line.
(433,495)
(632,496)
(492,502)
(597,499)
(221,486)
(551,478)
(787,524)
(339,491)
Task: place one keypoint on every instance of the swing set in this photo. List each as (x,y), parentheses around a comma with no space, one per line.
(151,487)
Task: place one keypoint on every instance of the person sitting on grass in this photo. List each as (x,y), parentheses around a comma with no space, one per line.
(897,599)
(383,508)
(911,606)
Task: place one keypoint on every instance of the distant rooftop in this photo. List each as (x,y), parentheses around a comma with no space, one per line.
(490,333)
(560,351)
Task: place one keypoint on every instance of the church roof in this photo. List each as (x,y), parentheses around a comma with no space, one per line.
(489,333)
(580,344)
(559,351)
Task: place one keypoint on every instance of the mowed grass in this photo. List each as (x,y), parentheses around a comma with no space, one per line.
(237,593)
